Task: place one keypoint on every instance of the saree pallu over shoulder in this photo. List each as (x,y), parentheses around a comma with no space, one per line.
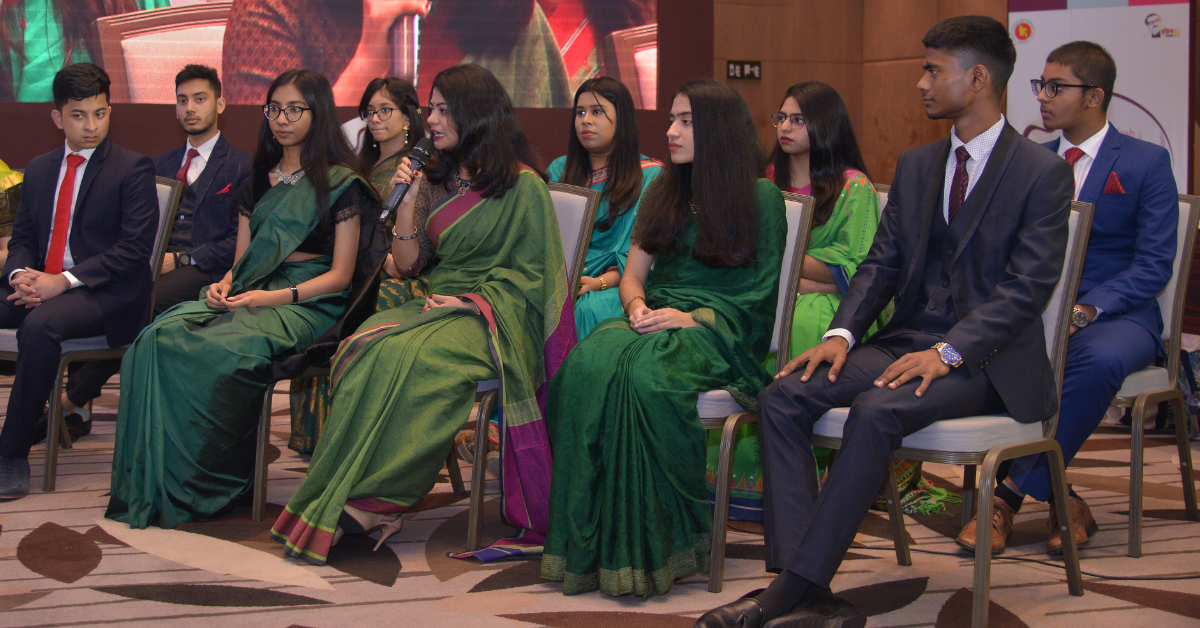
(193,380)
(504,254)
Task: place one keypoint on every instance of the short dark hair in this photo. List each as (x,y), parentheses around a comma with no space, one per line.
(193,71)
(1091,63)
(79,81)
(976,40)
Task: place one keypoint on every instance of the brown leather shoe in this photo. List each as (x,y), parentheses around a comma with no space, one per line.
(1002,523)
(1081,520)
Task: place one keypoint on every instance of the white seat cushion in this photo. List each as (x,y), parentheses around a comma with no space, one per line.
(717,404)
(488,384)
(975,434)
(1147,380)
(8,342)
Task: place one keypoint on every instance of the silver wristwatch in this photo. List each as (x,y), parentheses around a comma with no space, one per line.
(1079,318)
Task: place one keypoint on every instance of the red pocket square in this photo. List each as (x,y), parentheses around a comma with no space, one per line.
(230,187)
(1113,185)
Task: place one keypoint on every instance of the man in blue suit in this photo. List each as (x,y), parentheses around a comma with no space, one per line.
(1116,326)
(204,236)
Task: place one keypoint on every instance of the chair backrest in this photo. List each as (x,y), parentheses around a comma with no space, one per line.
(881,190)
(576,210)
(799,221)
(631,56)
(1056,318)
(143,50)
(1173,296)
(170,191)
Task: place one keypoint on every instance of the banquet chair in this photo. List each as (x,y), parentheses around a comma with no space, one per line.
(1154,385)
(575,208)
(990,440)
(723,410)
(95,347)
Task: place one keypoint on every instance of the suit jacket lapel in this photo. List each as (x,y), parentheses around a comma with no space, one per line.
(89,174)
(933,204)
(1101,166)
(978,200)
(211,166)
(44,217)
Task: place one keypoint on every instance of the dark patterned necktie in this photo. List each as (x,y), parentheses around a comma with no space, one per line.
(958,189)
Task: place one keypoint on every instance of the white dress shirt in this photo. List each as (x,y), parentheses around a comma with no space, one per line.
(980,148)
(199,161)
(68,261)
(1090,148)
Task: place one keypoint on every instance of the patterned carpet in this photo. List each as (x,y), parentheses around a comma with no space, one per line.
(63,564)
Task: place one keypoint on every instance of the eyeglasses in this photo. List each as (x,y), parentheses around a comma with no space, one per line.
(292,113)
(1051,87)
(383,112)
(796,119)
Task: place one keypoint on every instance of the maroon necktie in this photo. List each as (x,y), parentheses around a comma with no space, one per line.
(62,217)
(1073,154)
(958,189)
(182,174)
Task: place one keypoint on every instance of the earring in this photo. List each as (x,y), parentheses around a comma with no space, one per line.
(405,128)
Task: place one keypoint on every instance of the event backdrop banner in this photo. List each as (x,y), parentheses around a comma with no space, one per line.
(1148,40)
(540,49)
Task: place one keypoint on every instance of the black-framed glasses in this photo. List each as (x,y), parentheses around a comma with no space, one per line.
(291,112)
(796,119)
(1052,87)
(383,112)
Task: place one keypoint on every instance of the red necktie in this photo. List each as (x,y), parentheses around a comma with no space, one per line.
(62,217)
(1073,154)
(958,189)
(182,174)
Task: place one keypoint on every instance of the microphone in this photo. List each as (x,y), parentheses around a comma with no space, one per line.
(418,157)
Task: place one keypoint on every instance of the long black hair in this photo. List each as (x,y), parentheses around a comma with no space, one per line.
(624,184)
(404,95)
(832,148)
(324,145)
(491,144)
(720,181)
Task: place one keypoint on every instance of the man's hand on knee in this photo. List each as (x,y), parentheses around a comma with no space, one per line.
(42,287)
(926,364)
(832,351)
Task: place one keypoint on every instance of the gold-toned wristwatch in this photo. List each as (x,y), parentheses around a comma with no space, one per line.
(1079,318)
(948,355)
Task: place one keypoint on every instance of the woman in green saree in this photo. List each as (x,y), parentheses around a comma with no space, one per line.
(628,510)
(602,153)
(499,302)
(389,107)
(192,383)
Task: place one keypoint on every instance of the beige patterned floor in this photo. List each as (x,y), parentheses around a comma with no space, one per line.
(62,564)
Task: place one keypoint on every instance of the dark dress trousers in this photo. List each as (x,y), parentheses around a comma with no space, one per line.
(1129,261)
(979,283)
(111,237)
(205,228)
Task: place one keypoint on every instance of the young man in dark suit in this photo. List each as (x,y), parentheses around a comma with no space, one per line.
(1116,326)
(79,259)
(970,247)
(204,235)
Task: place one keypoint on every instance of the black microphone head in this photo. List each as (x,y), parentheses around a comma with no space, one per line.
(419,154)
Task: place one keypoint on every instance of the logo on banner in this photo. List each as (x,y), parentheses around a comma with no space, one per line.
(1155,30)
(1023,31)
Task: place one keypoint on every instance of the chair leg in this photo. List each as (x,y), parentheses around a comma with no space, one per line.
(1137,431)
(479,470)
(896,515)
(56,430)
(968,494)
(259,492)
(716,560)
(456,481)
(1058,482)
(981,588)
(1185,457)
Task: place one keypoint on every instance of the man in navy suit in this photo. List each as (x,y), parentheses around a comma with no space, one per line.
(79,259)
(204,235)
(1117,327)
(970,248)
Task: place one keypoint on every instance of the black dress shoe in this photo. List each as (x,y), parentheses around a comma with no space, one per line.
(14,478)
(77,428)
(825,611)
(745,612)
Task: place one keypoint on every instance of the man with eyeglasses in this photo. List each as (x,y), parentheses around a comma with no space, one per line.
(204,235)
(1116,325)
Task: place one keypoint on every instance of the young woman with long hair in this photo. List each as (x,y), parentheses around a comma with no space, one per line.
(602,153)
(192,382)
(404,384)
(394,124)
(628,512)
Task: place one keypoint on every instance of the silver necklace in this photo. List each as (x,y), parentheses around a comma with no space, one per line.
(290,179)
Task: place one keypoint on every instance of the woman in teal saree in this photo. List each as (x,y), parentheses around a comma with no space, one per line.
(602,154)
(499,307)
(628,510)
(192,383)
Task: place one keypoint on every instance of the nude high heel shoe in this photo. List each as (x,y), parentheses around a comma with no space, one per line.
(356,521)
